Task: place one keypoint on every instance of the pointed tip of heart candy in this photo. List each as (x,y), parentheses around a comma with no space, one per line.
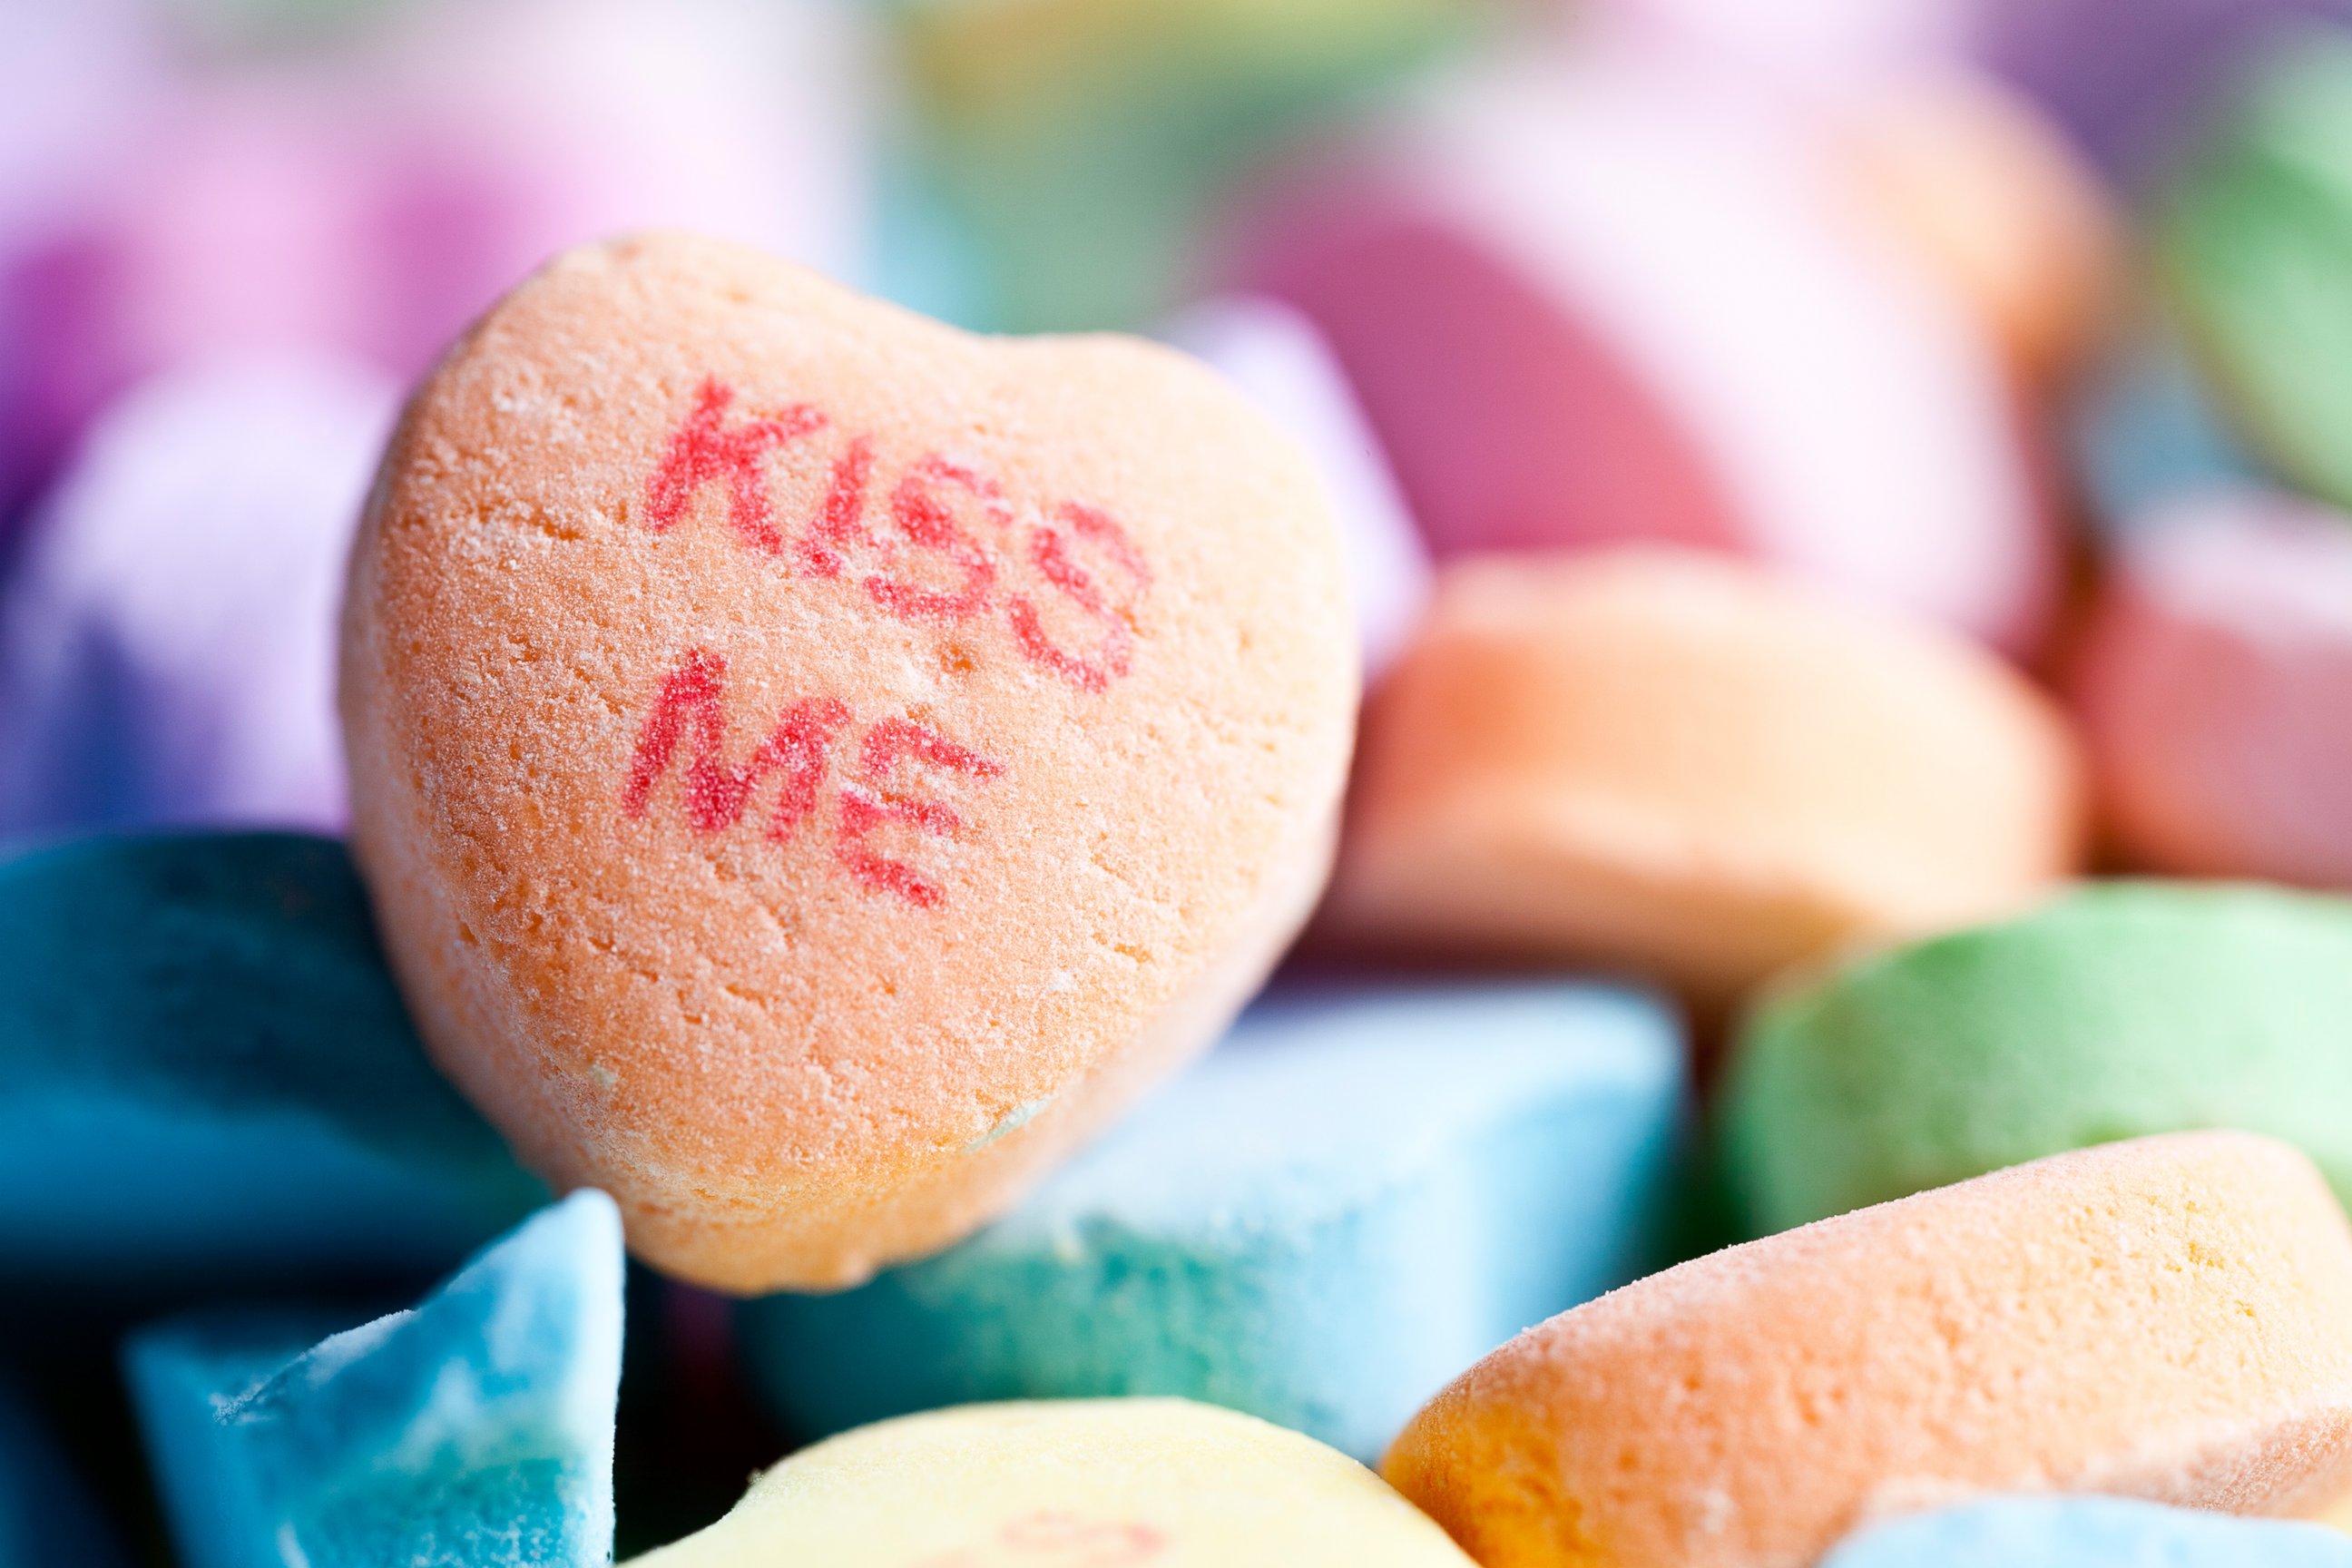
(505,1379)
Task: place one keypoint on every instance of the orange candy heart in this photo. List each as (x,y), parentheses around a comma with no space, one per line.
(815,767)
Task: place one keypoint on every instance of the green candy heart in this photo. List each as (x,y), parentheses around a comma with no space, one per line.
(2255,248)
(2123,1009)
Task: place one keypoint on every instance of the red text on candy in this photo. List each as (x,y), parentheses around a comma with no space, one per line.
(798,751)
(1079,559)
(1051,1538)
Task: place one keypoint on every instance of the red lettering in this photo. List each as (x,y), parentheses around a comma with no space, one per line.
(704,449)
(1049,1539)
(1105,1543)
(1077,627)
(864,809)
(840,521)
(716,794)
(1049,550)
(798,751)
(925,521)
(895,738)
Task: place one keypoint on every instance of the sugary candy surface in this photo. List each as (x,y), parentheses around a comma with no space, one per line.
(2121,1009)
(1681,765)
(472,1431)
(1109,1483)
(1352,1197)
(207,1080)
(2061,1320)
(815,767)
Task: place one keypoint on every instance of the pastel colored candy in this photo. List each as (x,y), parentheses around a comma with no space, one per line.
(1670,762)
(2215,689)
(1529,292)
(69,75)
(2088,1532)
(1971,176)
(475,1428)
(2145,434)
(2131,79)
(220,225)
(1276,358)
(70,79)
(982,57)
(2252,249)
(2128,80)
(47,1518)
(378,199)
(1106,1482)
(1807,42)
(1347,1201)
(2121,1009)
(2055,1325)
(206,1079)
(815,767)
(578,119)
(242,25)
(1080,153)
(1995,203)
(167,641)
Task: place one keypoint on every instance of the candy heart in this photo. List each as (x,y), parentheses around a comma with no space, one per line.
(1527,290)
(2214,684)
(2160,1318)
(814,766)
(2120,1009)
(1081,1483)
(2249,249)
(1994,202)
(473,1428)
(1353,1196)
(1666,762)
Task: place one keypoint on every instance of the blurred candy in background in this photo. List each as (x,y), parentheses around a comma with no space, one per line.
(1842,289)
(239,231)
(1530,292)
(1276,358)
(375,196)
(2216,691)
(1078,144)
(1812,474)
(167,637)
